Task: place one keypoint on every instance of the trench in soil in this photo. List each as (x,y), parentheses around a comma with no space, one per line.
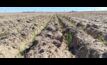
(60,27)
(75,45)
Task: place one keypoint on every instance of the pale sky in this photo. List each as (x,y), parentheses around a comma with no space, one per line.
(51,9)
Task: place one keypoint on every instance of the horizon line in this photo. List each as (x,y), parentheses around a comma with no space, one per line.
(51,11)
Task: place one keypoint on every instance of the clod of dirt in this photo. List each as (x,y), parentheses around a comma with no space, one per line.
(57,43)
(18,20)
(49,34)
(71,30)
(80,24)
(41,51)
(51,28)
(3,38)
(95,26)
(105,37)
(28,21)
(104,55)
(59,36)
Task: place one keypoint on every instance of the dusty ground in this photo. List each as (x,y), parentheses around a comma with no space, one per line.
(53,35)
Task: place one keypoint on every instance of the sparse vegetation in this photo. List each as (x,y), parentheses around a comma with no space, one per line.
(101,38)
(51,30)
(69,38)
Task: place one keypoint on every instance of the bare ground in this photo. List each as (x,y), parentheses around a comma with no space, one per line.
(53,35)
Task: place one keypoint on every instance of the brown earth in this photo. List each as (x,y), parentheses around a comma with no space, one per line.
(53,35)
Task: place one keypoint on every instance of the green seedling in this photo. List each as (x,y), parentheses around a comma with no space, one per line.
(69,38)
(101,38)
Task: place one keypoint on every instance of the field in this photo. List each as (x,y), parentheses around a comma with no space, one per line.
(53,35)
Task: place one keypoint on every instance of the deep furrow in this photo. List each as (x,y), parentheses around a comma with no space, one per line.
(95,29)
(84,45)
(50,43)
(13,45)
(56,35)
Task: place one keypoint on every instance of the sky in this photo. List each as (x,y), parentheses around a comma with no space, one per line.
(51,9)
